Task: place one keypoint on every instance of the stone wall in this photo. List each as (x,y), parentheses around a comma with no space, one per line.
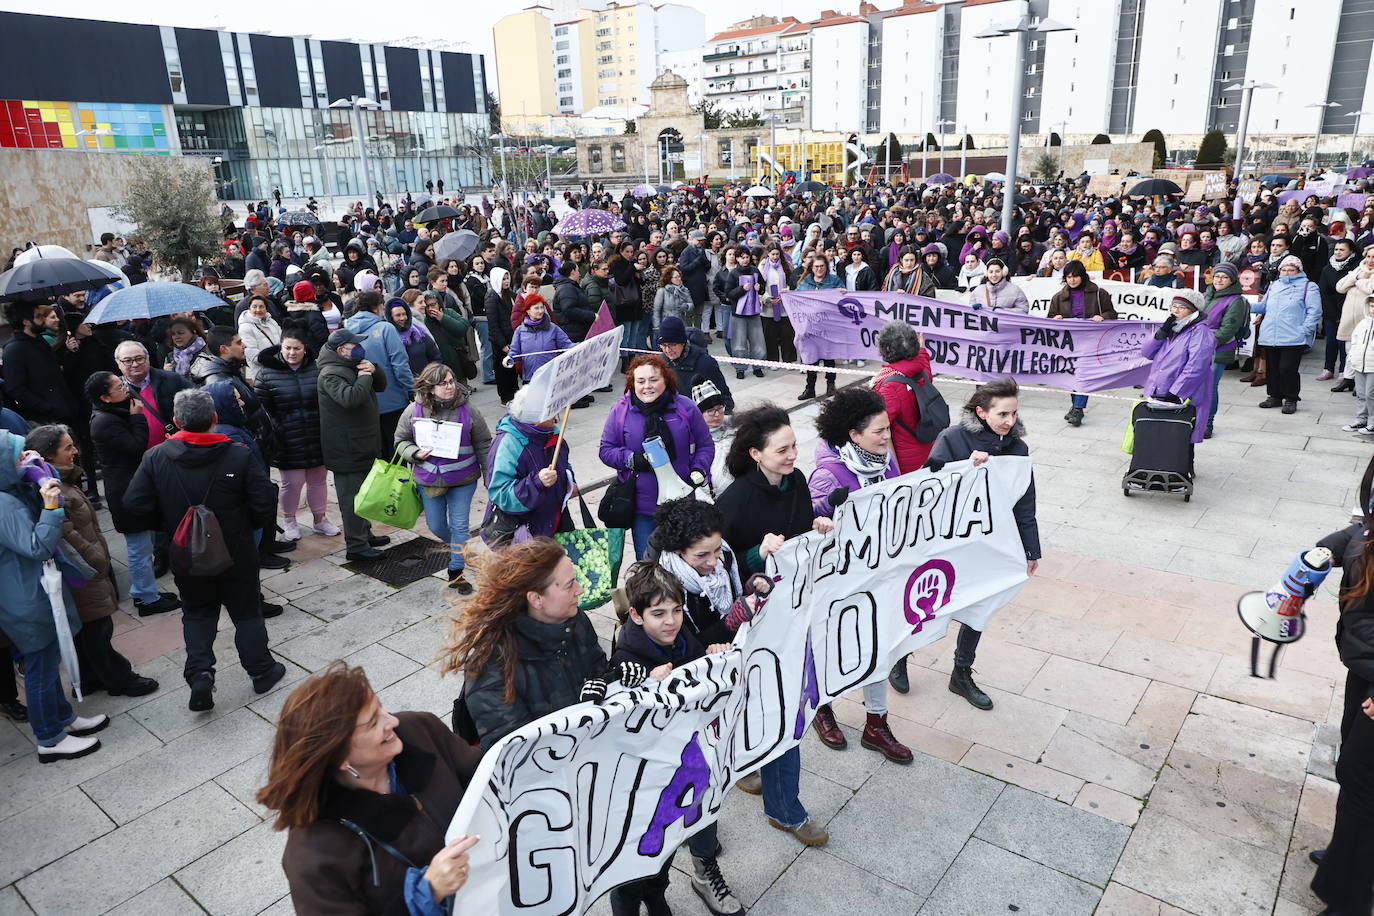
(48,196)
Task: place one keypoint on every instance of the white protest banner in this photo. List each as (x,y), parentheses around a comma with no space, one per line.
(590,797)
(572,374)
(1249,190)
(1214,185)
(1196,188)
(1131,300)
(1103,185)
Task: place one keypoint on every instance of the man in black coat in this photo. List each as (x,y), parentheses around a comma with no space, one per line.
(1342,261)
(695,265)
(198,467)
(259,258)
(686,354)
(33,375)
(572,308)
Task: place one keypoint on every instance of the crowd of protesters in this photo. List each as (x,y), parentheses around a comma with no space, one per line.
(333,342)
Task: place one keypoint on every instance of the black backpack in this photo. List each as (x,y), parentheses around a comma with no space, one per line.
(930,404)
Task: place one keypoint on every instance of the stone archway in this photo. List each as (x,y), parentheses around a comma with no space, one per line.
(670,155)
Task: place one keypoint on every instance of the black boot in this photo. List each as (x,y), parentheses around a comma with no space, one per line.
(808,392)
(961,682)
(897,676)
(829,385)
(1344,384)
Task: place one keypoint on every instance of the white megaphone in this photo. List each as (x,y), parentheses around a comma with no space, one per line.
(1277,615)
(670,486)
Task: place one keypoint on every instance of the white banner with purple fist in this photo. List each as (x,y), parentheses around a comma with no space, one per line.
(593,796)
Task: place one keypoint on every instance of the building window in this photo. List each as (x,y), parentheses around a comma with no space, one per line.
(594,161)
(562,59)
(617,157)
(726,153)
(565,74)
(565,101)
(560,46)
(560,31)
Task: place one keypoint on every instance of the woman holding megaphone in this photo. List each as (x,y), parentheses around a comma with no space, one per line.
(1342,879)
(657,438)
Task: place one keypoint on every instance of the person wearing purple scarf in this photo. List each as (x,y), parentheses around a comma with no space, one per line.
(1080,299)
(421,350)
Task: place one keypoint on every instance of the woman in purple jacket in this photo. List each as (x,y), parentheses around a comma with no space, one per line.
(652,407)
(1182,351)
(854,451)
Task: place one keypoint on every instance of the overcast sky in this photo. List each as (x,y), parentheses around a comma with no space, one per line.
(467,21)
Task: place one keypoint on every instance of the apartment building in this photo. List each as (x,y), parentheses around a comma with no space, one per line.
(562,58)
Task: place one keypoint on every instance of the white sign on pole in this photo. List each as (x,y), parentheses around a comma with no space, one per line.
(1096,166)
(592,796)
(572,374)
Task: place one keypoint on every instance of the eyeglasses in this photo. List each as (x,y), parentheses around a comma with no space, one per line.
(131,360)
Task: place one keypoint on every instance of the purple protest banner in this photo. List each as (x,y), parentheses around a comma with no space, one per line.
(1352,201)
(981,344)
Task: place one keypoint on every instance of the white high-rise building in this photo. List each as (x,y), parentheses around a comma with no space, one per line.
(839,78)
(741,67)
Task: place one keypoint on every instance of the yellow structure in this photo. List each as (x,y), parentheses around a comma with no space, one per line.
(523,41)
(822,158)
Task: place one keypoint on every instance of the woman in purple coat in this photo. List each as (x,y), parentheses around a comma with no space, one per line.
(854,451)
(652,407)
(1182,351)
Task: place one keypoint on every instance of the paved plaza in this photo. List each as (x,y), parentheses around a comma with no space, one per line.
(1131,766)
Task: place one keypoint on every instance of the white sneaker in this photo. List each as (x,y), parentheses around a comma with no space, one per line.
(69,748)
(1353,428)
(327,528)
(290,529)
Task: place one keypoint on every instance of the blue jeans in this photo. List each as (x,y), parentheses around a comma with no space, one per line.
(484,344)
(1078,400)
(49,711)
(142,584)
(636,337)
(447,518)
(641,528)
(723,325)
(1217,370)
(782,790)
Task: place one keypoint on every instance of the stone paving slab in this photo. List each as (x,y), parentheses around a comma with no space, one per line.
(1124,708)
(1054,834)
(985,879)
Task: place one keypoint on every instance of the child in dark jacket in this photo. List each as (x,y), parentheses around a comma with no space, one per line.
(653,635)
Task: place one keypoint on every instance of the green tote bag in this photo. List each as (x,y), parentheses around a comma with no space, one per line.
(595,554)
(388,495)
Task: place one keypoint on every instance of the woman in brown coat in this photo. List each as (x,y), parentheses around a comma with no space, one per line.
(102,667)
(1080,298)
(367,797)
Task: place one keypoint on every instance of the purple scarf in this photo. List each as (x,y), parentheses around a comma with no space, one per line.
(748,305)
(1076,303)
(183,356)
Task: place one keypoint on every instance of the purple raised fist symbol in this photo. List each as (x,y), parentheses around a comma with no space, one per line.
(927,591)
(851,308)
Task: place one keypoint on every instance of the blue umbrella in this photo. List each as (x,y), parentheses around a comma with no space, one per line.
(588,222)
(151,300)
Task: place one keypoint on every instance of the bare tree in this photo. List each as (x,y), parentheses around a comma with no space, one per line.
(170,200)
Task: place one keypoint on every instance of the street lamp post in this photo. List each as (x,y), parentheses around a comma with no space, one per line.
(1063,139)
(1021,30)
(1317,132)
(1354,134)
(501,148)
(943,123)
(1247,89)
(355,104)
(963,153)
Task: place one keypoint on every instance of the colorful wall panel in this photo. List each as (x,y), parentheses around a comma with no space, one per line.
(119,127)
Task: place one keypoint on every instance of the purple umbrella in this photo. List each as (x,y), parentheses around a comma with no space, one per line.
(1358,173)
(1299,194)
(588,222)
(941,178)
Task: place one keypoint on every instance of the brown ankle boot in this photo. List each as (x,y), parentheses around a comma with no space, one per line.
(878,737)
(828,729)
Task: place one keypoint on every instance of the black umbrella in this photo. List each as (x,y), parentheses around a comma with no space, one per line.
(44,278)
(1152,187)
(433,214)
(663,188)
(299,218)
(814,187)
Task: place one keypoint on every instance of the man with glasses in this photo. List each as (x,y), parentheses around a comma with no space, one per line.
(155,389)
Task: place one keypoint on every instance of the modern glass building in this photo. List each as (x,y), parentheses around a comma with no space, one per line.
(274,111)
